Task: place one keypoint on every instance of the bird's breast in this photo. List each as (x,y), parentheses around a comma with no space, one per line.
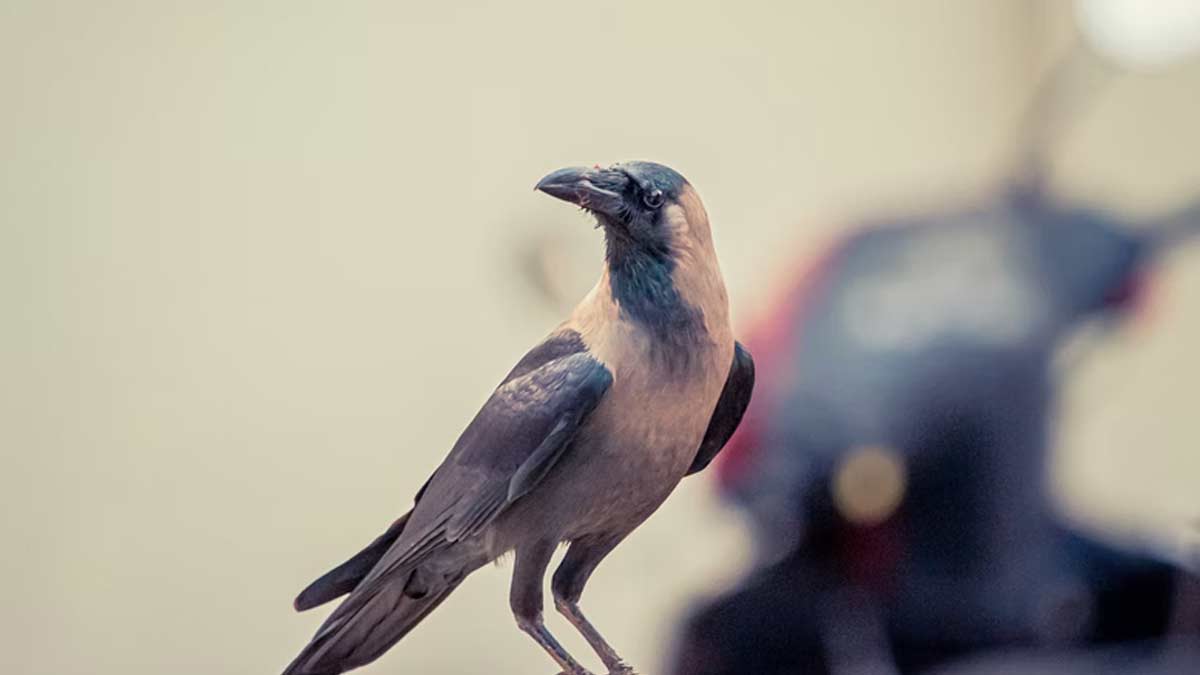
(645,434)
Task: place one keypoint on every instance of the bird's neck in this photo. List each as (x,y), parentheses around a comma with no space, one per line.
(641,282)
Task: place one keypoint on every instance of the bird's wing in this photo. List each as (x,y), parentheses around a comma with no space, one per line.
(512,443)
(343,578)
(735,397)
(346,577)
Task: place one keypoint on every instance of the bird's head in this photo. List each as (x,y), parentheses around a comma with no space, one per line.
(643,207)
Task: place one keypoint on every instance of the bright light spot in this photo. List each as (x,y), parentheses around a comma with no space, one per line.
(869,484)
(1141,33)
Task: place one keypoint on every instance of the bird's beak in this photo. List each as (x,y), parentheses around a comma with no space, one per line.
(598,190)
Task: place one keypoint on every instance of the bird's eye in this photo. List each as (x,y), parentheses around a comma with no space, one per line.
(653,198)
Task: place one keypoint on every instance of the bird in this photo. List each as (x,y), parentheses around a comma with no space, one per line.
(580,443)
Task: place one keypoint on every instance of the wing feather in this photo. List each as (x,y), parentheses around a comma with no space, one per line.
(510,446)
(735,398)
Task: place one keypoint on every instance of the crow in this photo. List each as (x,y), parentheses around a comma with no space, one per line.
(587,435)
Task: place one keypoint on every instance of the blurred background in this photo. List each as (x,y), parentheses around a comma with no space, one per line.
(261,262)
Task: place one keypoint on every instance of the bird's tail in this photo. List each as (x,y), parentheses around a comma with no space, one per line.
(364,627)
(345,577)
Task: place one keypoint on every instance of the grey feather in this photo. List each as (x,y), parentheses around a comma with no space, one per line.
(506,450)
(516,436)
(471,518)
(542,460)
(343,578)
(368,634)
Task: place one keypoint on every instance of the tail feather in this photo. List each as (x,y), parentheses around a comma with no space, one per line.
(345,577)
(364,633)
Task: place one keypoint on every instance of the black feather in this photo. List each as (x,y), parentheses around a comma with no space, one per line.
(367,634)
(735,398)
(343,578)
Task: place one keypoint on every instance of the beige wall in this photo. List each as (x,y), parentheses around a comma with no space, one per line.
(260,264)
(1130,452)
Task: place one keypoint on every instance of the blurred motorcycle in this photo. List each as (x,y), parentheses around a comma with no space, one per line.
(892,460)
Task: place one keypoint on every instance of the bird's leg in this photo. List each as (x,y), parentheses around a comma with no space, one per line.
(569,579)
(525,598)
(613,661)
